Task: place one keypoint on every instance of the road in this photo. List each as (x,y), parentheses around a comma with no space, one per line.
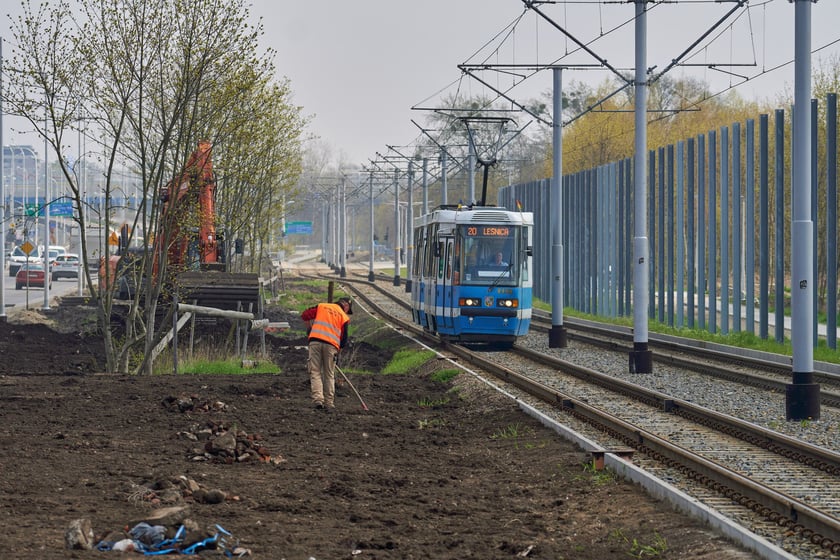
(17,299)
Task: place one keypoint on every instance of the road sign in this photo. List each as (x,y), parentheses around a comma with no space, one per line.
(27,247)
(299,228)
(31,209)
(58,209)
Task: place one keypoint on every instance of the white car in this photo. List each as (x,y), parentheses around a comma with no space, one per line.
(65,266)
(19,258)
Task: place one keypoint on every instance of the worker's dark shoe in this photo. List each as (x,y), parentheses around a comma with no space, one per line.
(319,406)
(329,409)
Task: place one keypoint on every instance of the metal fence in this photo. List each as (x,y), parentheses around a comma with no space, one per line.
(719,234)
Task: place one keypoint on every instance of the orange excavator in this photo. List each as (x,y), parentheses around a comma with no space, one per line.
(189,216)
(188,249)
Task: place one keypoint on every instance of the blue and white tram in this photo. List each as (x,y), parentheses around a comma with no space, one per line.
(471,275)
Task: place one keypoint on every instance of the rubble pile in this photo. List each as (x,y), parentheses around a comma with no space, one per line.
(193,403)
(176,490)
(226,444)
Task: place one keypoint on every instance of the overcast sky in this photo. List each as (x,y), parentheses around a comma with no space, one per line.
(359,66)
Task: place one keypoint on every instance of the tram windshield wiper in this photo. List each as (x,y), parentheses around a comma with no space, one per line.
(501,275)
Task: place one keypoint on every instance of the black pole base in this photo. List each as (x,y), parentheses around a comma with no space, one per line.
(408,286)
(557,337)
(641,359)
(397,280)
(802,401)
(343,272)
(371,276)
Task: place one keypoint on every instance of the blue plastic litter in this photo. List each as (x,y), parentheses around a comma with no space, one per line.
(174,545)
(179,536)
(151,535)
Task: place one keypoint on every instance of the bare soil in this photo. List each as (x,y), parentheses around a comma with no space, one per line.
(431,470)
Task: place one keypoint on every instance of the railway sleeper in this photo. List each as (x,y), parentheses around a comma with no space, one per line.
(624,453)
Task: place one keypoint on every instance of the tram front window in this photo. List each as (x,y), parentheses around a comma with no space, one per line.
(491,255)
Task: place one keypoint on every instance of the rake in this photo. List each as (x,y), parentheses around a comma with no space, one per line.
(364,406)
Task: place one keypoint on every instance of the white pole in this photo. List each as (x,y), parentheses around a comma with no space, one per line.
(46,213)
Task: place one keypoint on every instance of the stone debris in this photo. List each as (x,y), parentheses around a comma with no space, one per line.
(222,442)
(226,444)
(79,535)
(193,403)
(175,491)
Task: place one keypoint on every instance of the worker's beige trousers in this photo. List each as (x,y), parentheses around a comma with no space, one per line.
(322,372)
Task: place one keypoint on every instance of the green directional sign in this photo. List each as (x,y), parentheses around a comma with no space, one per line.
(298,228)
(31,209)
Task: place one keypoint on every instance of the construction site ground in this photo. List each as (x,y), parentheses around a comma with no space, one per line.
(431,470)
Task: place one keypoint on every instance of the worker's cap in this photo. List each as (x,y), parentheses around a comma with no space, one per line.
(349,303)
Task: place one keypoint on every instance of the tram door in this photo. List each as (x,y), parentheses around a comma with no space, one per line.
(447,288)
(431,276)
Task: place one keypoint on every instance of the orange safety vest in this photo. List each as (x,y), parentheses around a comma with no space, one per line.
(329,321)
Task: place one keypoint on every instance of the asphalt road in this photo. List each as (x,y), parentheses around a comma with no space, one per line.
(17,299)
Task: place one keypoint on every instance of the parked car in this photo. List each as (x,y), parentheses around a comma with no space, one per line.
(18,258)
(31,275)
(65,266)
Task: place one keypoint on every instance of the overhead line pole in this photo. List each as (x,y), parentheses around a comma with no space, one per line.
(641,358)
(802,396)
(371,276)
(557,337)
(3,226)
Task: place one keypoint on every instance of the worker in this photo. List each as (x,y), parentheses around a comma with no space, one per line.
(327,329)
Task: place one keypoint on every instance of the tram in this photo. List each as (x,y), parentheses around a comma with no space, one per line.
(472,273)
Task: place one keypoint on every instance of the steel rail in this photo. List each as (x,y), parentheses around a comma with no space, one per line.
(796,515)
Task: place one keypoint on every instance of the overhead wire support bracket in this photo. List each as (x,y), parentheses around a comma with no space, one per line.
(468,69)
(676,61)
(444,149)
(531,4)
(502,94)
(486,163)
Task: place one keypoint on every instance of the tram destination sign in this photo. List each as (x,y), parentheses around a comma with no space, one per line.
(488,231)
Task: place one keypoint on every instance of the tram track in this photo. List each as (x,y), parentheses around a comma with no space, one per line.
(786,483)
(760,369)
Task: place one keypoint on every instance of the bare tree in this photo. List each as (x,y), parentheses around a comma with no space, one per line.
(154,78)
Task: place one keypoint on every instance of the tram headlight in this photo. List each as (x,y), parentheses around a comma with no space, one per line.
(469,302)
(507,303)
